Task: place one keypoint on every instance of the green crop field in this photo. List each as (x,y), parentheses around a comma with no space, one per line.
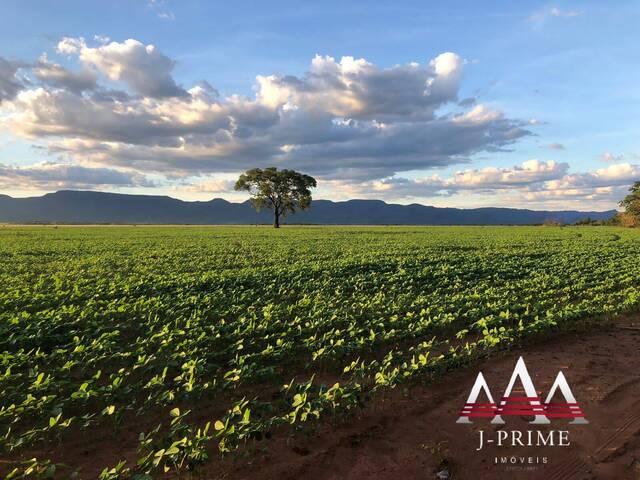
(164,347)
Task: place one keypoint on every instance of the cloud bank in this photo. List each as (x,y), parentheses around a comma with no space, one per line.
(117,116)
(533,182)
(122,108)
(49,175)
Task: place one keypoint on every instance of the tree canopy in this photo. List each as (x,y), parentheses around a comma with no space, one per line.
(631,203)
(283,191)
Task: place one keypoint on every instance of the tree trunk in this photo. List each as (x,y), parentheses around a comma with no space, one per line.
(276,218)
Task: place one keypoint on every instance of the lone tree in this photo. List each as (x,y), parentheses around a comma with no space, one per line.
(631,205)
(283,191)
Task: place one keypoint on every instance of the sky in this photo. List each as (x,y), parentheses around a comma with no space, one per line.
(461,103)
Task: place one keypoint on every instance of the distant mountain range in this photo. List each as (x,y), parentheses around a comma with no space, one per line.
(68,206)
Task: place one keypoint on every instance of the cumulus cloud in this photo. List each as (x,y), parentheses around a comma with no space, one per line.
(344,118)
(10,84)
(142,67)
(41,112)
(613,175)
(357,89)
(55,75)
(48,175)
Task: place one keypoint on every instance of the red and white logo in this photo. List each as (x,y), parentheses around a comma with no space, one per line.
(530,404)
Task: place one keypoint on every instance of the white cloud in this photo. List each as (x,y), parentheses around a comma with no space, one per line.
(41,112)
(479,114)
(619,174)
(142,67)
(357,89)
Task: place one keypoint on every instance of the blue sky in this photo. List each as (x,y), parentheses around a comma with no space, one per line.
(554,88)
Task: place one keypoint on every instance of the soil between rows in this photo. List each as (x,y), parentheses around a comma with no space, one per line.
(412,433)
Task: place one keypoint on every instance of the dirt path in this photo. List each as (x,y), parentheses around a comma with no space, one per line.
(408,435)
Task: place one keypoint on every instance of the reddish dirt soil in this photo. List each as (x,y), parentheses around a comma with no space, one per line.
(410,434)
